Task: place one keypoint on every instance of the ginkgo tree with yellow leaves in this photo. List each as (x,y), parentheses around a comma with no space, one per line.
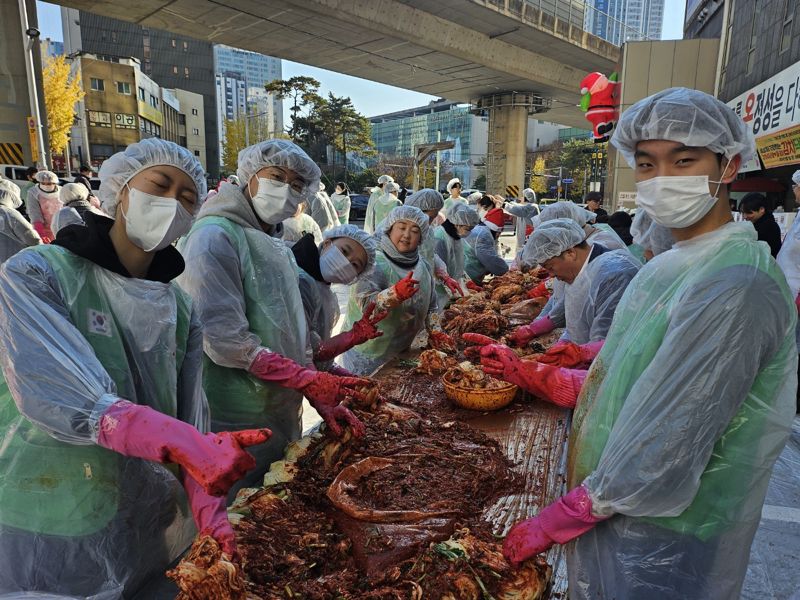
(62,92)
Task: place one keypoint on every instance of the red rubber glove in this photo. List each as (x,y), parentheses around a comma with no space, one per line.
(43,231)
(540,291)
(797,303)
(567,518)
(471,285)
(215,460)
(522,335)
(554,384)
(406,287)
(210,515)
(567,354)
(439,340)
(340,371)
(363,330)
(324,391)
(452,285)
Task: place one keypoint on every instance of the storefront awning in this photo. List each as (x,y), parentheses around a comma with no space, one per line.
(757,184)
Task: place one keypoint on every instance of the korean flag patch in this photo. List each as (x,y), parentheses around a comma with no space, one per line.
(99,323)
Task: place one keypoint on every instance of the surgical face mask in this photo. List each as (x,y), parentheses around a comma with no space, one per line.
(47,187)
(154,222)
(335,267)
(275,201)
(482,212)
(677,201)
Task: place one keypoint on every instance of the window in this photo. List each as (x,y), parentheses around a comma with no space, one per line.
(751,53)
(173,43)
(183,141)
(197,152)
(181,119)
(123,87)
(141,94)
(174,70)
(186,72)
(195,131)
(153,101)
(194,112)
(97,85)
(786,31)
(185,46)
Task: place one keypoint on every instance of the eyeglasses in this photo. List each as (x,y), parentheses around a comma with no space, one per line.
(296,183)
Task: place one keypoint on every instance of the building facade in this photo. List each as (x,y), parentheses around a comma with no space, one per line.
(51,48)
(171,108)
(396,134)
(619,21)
(170,60)
(192,124)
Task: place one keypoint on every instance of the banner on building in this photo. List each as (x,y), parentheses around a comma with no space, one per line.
(780,149)
(770,109)
(99,118)
(124,121)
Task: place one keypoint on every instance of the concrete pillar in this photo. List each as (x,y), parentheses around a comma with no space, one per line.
(505,161)
(14,100)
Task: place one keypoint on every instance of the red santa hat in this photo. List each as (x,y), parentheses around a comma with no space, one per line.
(494,219)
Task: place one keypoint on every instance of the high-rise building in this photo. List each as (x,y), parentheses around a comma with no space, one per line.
(619,21)
(51,48)
(171,60)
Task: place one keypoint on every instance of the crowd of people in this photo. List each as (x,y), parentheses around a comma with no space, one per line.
(159,341)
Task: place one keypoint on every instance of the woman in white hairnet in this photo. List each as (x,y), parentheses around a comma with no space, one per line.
(480,246)
(75,197)
(346,255)
(402,285)
(382,200)
(245,284)
(455,197)
(449,246)
(691,399)
(341,202)
(102,413)
(524,212)
(430,202)
(43,203)
(299,225)
(594,281)
(15,232)
(322,210)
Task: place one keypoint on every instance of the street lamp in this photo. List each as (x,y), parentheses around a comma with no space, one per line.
(32,34)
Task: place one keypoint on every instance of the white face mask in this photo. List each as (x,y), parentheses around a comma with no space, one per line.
(275,201)
(48,188)
(335,267)
(482,212)
(677,201)
(154,222)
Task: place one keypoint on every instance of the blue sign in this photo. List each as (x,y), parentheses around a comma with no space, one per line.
(568,180)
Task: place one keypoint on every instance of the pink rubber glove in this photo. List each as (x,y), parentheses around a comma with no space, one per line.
(797,303)
(406,287)
(43,231)
(554,384)
(210,514)
(327,393)
(567,354)
(215,460)
(452,285)
(340,371)
(363,330)
(567,518)
(523,335)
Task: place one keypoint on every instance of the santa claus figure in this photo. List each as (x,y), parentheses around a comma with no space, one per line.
(599,102)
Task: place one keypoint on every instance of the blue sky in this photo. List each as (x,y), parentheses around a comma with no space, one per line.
(369,98)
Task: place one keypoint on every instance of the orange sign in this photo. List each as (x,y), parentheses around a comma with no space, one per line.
(779,149)
(34,142)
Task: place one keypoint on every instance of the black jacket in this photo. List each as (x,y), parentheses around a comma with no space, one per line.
(769,231)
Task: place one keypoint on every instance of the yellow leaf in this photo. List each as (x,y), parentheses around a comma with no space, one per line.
(62,92)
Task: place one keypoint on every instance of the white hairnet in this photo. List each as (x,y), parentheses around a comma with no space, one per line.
(566,210)
(406,213)
(452,182)
(321,186)
(390,187)
(796,177)
(234,180)
(385,179)
(686,116)
(474,197)
(9,194)
(46,177)
(278,153)
(72,192)
(551,239)
(118,170)
(529,195)
(369,243)
(461,214)
(426,199)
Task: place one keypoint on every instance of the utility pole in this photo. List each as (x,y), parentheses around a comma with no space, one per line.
(438,155)
(31,35)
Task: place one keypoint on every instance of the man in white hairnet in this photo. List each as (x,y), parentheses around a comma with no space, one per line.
(594,281)
(322,210)
(691,399)
(380,203)
(15,232)
(524,212)
(245,284)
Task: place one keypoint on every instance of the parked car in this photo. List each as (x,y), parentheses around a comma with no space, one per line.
(358,206)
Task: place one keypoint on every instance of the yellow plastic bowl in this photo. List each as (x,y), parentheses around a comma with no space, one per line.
(477,399)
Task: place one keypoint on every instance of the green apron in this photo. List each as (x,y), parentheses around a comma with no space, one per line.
(274,311)
(56,488)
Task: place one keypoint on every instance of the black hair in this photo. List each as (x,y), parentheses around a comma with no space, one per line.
(342,185)
(85,168)
(486,202)
(596,196)
(753,201)
(402,194)
(620,219)
(31,171)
